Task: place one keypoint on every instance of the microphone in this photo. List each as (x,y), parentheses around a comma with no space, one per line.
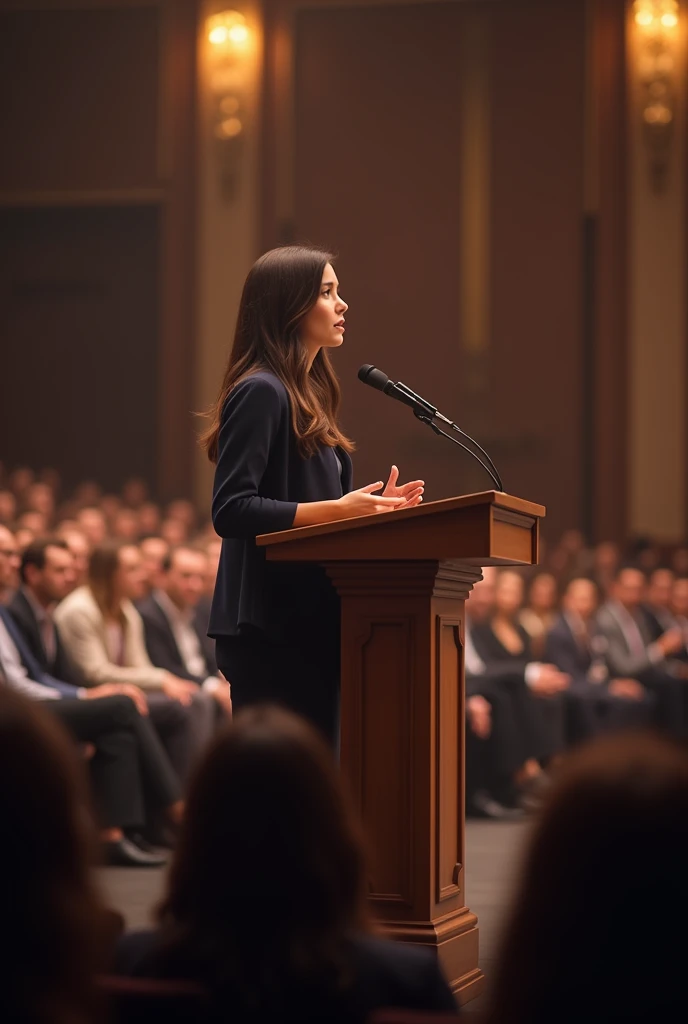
(427,413)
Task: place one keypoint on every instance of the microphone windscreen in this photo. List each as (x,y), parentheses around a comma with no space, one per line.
(372,376)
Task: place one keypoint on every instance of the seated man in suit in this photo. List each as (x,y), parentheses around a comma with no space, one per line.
(128,759)
(632,653)
(173,638)
(574,647)
(660,616)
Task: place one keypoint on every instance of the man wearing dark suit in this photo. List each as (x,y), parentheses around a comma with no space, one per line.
(173,638)
(573,646)
(630,651)
(47,576)
(660,617)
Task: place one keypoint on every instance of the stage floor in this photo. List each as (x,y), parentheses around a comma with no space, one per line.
(493,852)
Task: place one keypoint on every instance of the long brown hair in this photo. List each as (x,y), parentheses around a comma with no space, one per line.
(102,570)
(52,919)
(269,877)
(595,930)
(281,288)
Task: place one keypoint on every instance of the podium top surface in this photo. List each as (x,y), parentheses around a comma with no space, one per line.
(488,527)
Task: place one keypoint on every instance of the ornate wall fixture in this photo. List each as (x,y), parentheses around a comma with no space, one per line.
(229,52)
(657,40)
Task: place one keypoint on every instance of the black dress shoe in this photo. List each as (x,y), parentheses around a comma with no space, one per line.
(125,854)
(482,805)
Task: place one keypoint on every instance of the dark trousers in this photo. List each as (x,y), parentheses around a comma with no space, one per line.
(130,770)
(174,725)
(670,695)
(302,677)
(599,711)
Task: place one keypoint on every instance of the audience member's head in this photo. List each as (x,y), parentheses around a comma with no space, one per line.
(24,536)
(94,524)
(47,570)
(174,531)
(679,561)
(629,587)
(606,557)
(183,576)
(8,507)
(542,593)
(154,551)
(115,574)
(149,518)
(508,593)
(573,541)
(53,924)
(88,494)
(287,802)
(33,520)
(643,552)
(480,603)
(78,544)
(135,492)
(20,480)
(125,525)
(182,510)
(40,497)
(659,588)
(581,598)
(110,505)
(604,882)
(679,597)
(10,560)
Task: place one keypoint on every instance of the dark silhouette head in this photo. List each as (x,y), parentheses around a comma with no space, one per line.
(52,923)
(595,931)
(268,881)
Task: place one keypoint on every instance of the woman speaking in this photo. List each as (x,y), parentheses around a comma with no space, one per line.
(283,461)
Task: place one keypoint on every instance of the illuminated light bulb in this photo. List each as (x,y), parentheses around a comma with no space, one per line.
(644,17)
(218,35)
(669,19)
(238,34)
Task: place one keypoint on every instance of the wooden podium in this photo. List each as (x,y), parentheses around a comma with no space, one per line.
(403,578)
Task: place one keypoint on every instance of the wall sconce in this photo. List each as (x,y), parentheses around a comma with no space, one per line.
(657,30)
(229,46)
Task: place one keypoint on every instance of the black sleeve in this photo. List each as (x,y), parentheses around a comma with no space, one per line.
(250,423)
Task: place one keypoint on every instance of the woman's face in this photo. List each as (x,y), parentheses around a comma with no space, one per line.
(543,593)
(131,578)
(323,325)
(508,593)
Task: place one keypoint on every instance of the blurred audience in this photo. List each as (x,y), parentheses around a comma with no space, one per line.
(103,634)
(575,946)
(543,671)
(318,960)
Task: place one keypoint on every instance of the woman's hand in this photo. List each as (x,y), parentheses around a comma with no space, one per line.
(364,502)
(411,493)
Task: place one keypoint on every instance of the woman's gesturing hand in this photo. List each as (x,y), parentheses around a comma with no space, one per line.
(411,493)
(364,502)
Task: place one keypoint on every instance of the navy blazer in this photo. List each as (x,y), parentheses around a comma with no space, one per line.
(61,666)
(566,652)
(161,642)
(29,662)
(260,478)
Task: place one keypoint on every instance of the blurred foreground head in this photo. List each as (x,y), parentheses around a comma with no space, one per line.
(52,922)
(595,931)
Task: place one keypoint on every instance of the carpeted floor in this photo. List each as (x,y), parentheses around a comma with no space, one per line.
(493,852)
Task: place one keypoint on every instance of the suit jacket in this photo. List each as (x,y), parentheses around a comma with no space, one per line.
(564,649)
(161,644)
(81,623)
(61,666)
(621,660)
(260,478)
(384,974)
(36,673)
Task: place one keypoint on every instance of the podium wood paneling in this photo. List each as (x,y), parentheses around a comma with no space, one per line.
(403,579)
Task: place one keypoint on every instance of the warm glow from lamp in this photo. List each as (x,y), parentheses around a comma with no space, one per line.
(644,17)
(227,27)
(669,19)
